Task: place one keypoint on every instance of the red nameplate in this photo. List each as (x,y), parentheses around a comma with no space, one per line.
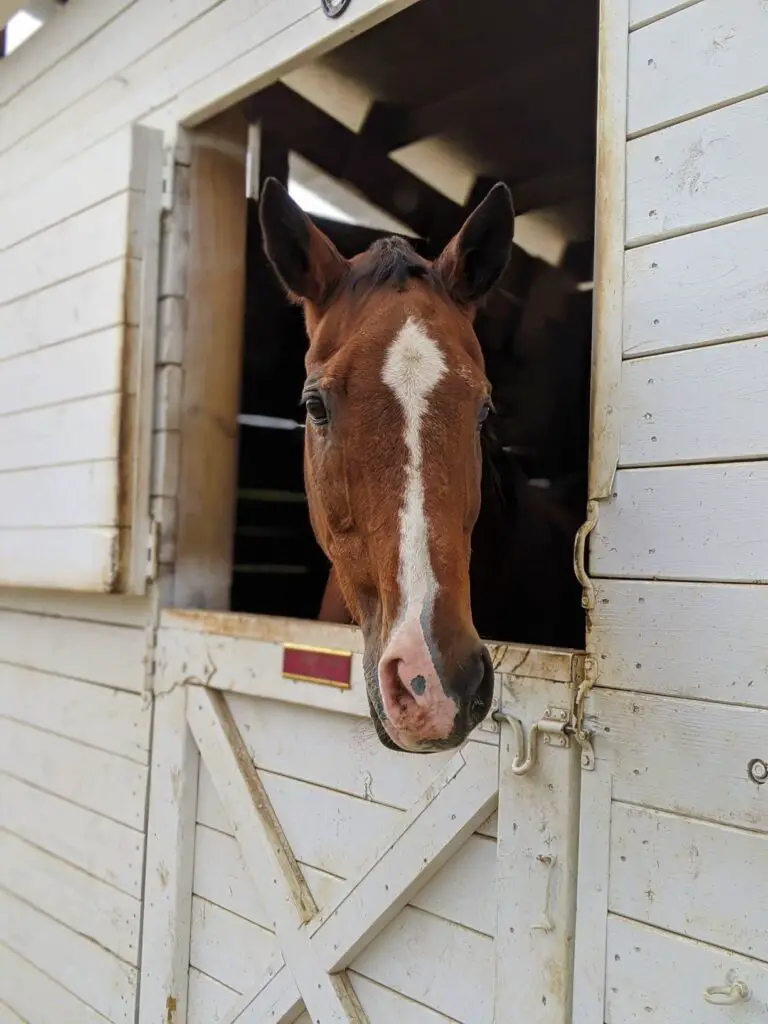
(317,665)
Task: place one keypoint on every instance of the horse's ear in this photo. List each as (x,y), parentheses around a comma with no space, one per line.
(306,260)
(475,258)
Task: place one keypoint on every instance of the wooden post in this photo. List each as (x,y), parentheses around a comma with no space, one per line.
(212,360)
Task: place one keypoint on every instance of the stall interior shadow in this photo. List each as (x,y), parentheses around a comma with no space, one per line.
(535,329)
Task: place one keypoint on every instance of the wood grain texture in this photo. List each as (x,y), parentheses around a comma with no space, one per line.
(698,173)
(208,999)
(104,848)
(701,57)
(96,652)
(89,972)
(703,641)
(103,718)
(687,522)
(667,974)
(697,289)
(227,947)
(701,405)
(211,384)
(169,855)
(85,904)
(687,757)
(642,11)
(690,877)
(91,778)
(37,996)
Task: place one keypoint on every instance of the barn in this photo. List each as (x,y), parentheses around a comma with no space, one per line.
(197,821)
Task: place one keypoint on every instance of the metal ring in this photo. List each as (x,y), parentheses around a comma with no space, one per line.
(335,8)
(727,995)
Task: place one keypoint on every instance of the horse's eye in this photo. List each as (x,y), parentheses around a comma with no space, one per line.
(316,410)
(482,415)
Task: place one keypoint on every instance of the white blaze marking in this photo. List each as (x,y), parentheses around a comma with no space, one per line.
(412,369)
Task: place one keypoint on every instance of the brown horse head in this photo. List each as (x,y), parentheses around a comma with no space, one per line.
(395,396)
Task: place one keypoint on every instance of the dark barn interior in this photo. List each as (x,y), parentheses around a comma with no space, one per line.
(512,86)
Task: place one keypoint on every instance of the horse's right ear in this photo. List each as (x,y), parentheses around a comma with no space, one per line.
(306,260)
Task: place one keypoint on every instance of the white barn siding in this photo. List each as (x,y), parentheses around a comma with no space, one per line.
(678,555)
(74,753)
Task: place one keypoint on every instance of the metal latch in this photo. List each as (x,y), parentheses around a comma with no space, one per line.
(556,728)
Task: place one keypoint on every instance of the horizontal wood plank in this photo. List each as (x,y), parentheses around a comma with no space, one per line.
(90,177)
(115,609)
(90,302)
(701,57)
(91,651)
(63,33)
(687,757)
(227,947)
(76,369)
(100,234)
(705,641)
(83,903)
(80,431)
(81,559)
(103,718)
(91,778)
(330,831)
(462,891)
(701,405)
(382,1003)
(686,522)
(699,172)
(698,879)
(666,976)
(697,289)
(331,750)
(642,11)
(68,496)
(38,997)
(452,973)
(105,849)
(79,964)
(207,1000)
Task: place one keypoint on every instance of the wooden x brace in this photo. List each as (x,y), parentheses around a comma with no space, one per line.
(317,947)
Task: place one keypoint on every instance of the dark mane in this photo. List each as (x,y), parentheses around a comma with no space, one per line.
(390,263)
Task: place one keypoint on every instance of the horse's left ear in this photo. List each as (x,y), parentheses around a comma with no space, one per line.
(475,258)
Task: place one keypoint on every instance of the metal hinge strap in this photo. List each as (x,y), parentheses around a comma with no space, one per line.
(153,550)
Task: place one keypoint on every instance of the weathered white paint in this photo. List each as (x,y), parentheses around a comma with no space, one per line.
(682,639)
(91,778)
(78,431)
(667,974)
(89,972)
(698,173)
(610,201)
(700,405)
(697,289)
(104,848)
(39,997)
(694,878)
(83,903)
(706,55)
(686,522)
(537,843)
(642,12)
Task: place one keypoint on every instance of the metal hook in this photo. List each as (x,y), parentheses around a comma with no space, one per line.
(525,757)
(727,995)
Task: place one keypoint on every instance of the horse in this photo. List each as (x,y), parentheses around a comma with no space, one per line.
(402,474)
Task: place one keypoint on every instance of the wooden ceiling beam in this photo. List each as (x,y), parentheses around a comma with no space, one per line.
(395,125)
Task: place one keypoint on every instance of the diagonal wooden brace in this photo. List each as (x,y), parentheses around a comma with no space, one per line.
(269,858)
(451,809)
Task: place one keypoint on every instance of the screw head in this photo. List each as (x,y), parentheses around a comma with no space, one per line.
(758,770)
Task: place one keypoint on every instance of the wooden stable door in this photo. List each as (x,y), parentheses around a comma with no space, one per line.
(299,870)
(79,263)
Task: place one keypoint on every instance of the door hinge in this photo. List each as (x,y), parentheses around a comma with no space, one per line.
(556,727)
(153,550)
(169,168)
